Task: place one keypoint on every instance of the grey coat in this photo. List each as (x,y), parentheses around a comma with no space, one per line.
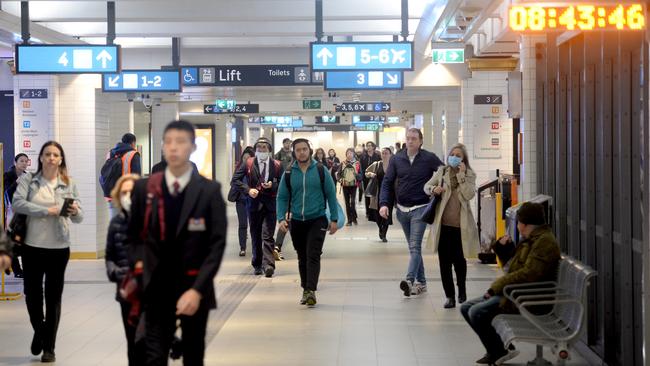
(29,183)
(466,191)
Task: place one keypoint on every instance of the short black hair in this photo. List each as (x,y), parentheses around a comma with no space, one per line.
(286,140)
(531,213)
(128,138)
(182,126)
(371,143)
(20,156)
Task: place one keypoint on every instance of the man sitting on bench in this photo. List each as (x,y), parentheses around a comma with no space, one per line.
(535,259)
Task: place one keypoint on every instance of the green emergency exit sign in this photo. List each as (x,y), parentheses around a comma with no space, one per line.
(448,56)
(311,104)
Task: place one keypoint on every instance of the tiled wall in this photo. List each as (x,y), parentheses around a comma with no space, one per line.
(447,134)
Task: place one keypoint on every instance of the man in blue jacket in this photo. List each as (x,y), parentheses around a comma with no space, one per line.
(303,197)
(403,186)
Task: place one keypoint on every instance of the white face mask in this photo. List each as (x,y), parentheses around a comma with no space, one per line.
(125,201)
(262,156)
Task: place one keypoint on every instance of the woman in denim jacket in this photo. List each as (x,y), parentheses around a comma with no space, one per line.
(40,196)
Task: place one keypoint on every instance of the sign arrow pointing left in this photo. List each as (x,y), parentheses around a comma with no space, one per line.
(208,109)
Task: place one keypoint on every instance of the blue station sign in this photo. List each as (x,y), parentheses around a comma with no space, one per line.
(364,80)
(142,80)
(67,59)
(351,56)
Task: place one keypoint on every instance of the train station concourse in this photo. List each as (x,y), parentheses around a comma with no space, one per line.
(325,182)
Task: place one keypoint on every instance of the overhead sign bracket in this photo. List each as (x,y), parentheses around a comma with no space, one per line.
(110,22)
(319,20)
(24,21)
(405,19)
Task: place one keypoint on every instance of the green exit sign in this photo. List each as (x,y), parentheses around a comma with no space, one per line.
(448,56)
(311,104)
(225,104)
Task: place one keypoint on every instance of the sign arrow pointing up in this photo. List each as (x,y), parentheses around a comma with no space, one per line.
(104,57)
(325,54)
(392,78)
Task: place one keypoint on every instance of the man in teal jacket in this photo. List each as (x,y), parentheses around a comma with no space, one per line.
(305,204)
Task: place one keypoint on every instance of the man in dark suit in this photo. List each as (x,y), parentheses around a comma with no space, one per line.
(177,237)
(258,179)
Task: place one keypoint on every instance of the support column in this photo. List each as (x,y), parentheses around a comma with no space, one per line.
(162,115)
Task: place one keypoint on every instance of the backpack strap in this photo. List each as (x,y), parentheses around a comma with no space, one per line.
(126,161)
(287,181)
(154,191)
(321,175)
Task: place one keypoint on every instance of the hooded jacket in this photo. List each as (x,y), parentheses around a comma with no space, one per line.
(307,202)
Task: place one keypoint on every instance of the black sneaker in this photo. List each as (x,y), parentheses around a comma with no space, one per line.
(258,271)
(37,344)
(450,303)
(48,357)
(486,360)
(407,287)
(268,272)
(462,298)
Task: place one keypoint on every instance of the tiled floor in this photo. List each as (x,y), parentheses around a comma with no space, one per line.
(361,318)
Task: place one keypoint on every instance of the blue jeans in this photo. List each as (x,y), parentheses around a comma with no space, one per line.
(479,313)
(414,231)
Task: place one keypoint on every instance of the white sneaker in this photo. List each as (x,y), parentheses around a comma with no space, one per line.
(407,287)
(418,288)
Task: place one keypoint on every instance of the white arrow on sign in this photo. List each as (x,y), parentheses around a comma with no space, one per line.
(398,56)
(63,60)
(104,57)
(453,56)
(386,107)
(392,78)
(208,109)
(325,54)
(112,82)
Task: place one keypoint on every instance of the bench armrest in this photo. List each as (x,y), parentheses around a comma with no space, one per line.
(537,296)
(509,291)
(533,319)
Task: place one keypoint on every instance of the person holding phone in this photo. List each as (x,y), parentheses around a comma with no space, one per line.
(42,196)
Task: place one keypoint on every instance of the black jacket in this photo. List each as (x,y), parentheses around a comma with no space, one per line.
(404,182)
(117,259)
(202,248)
(242,180)
(10,178)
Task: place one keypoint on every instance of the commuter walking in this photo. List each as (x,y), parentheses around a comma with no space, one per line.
(333,163)
(177,236)
(375,173)
(122,159)
(454,231)
(258,179)
(117,259)
(10,178)
(349,176)
(285,157)
(358,154)
(241,201)
(320,156)
(302,197)
(6,251)
(50,200)
(369,157)
(403,185)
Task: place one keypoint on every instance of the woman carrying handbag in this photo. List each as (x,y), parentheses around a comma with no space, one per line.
(454,230)
(375,172)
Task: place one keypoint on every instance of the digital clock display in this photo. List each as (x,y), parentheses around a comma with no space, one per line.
(540,17)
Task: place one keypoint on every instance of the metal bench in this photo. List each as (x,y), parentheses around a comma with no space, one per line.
(561,325)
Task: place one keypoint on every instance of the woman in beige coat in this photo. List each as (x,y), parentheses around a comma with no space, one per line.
(454,230)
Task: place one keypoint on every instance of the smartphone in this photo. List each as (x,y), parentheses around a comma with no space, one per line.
(66,205)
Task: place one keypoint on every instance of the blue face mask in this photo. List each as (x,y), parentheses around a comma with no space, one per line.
(454,161)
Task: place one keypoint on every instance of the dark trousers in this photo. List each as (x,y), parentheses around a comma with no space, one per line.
(242,216)
(15,262)
(450,252)
(51,264)
(134,352)
(348,197)
(262,228)
(160,326)
(382,224)
(479,313)
(279,238)
(308,237)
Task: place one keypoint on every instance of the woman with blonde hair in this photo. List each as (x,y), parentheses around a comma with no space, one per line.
(454,230)
(117,261)
(50,201)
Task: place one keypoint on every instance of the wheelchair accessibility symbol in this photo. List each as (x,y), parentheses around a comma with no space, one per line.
(190,76)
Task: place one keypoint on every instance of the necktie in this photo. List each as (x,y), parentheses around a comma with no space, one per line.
(177,187)
(263,176)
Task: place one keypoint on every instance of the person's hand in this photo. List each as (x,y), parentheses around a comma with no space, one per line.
(53,211)
(462,168)
(383,212)
(333,227)
(5,262)
(438,190)
(267,185)
(188,303)
(284,226)
(253,192)
(504,239)
(73,209)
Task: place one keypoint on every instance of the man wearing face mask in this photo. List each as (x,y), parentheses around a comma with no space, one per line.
(262,173)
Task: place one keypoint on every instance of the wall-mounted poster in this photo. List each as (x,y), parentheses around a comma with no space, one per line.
(489,115)
(32,124)
(203,157)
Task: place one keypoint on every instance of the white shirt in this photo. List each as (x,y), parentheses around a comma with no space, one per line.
(183,180)
(411,158)
(264,164)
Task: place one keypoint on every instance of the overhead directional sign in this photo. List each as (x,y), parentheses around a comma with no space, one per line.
(237,108)
(250,75)
(351,56)
(367,80)
(367,126)
(142,80)
(448,56)
(67,59)
(363,107)
(369,118)
(311,104)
